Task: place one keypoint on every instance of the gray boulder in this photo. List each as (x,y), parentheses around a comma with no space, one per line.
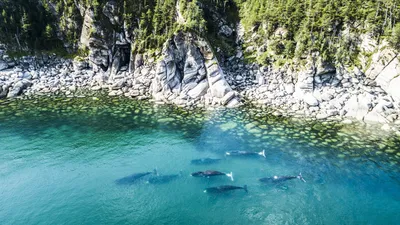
(310,100)
(3,65)
(199,90)
(18,88)
(358,106)
(394,88)
(375,116)
(4,91)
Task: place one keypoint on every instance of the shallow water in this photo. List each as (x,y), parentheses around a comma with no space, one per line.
(60,158)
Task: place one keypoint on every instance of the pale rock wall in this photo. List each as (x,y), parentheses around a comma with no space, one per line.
(188,72)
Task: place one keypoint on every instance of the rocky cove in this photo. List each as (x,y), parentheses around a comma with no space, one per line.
(107,107)
(186,73)
(189,67)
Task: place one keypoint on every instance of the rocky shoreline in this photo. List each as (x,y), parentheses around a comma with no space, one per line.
(188,74)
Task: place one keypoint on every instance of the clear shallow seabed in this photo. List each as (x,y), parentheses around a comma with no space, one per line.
(60,158)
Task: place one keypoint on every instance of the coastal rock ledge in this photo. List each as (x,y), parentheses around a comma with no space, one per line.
(187,73)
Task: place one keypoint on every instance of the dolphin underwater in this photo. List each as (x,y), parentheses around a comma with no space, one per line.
(245,153)
(224,188)
(278,179)
(211,173)
(162,179)
(204,161)
(131,179)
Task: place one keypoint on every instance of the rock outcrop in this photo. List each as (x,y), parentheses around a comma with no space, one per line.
(189,72)
(385,70)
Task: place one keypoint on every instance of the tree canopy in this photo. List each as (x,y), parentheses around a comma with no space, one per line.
(289,29)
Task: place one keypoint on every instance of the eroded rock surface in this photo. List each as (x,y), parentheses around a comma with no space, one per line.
(188,70)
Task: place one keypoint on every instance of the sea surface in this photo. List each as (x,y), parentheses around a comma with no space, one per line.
(60,159)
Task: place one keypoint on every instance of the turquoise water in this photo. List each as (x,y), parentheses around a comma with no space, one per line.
(60,158)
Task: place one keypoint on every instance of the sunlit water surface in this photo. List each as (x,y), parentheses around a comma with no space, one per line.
(60,158)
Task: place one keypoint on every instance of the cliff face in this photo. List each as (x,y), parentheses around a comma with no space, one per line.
(208,52)
(184,70)
(189,70)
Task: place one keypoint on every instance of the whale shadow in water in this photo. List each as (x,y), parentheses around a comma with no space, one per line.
(163,179)
(134,178)
(280,182)
(224,189)
(280,179)
(211,173)
(205,161)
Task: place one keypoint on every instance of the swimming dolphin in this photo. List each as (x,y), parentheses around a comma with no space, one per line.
(161,179)
(204,161)
(211,173)
(278,179)
(245,153)
(224,188)
(131,179)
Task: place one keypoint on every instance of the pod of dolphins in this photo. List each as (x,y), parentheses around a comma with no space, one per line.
(156,178)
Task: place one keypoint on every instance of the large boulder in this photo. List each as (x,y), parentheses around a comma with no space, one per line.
(18,88)
(358,106)
(199,90)
(3,65)
(394,88)
(375,116)
(4,91)
(310,100)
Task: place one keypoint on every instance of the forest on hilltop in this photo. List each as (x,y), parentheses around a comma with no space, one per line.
(330,27)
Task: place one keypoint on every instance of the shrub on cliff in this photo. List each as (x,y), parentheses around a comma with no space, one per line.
(395,38)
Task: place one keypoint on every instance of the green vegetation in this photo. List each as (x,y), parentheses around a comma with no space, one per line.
(42,24)
(151,22)
(26,25)
(285,30)
(331,28)
(395,38)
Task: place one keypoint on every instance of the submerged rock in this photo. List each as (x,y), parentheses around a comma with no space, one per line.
(228,126)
